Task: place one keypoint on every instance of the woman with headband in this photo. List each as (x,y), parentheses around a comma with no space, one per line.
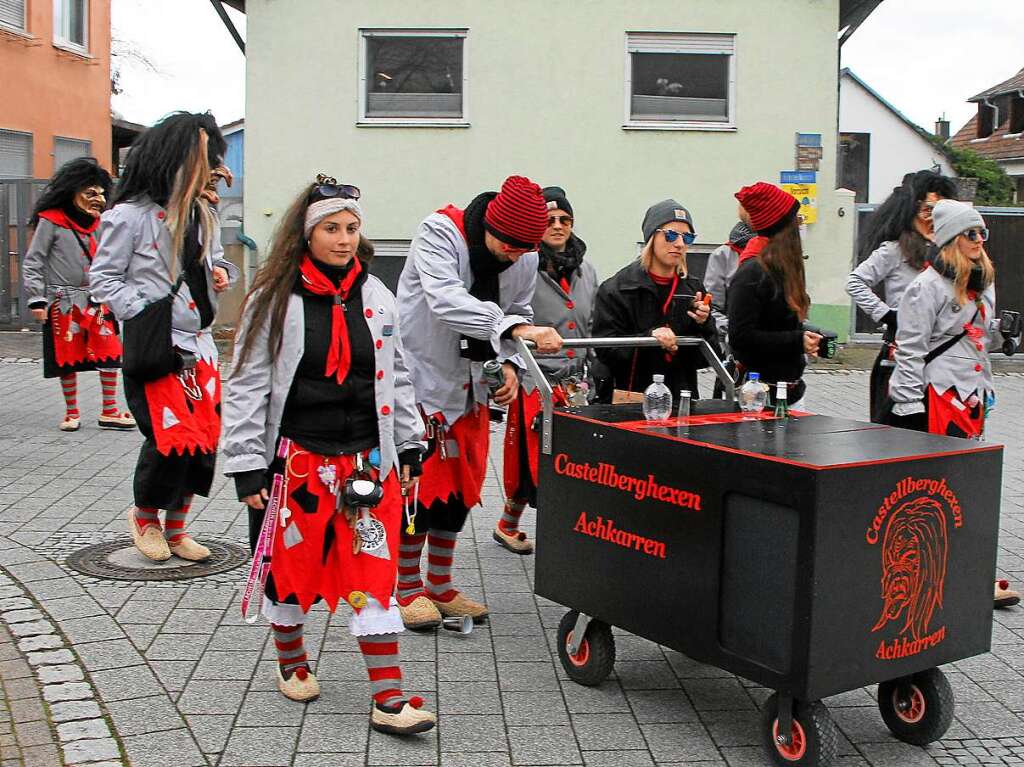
(321,437)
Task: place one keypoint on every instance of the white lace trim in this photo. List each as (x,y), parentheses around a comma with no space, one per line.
(374,619)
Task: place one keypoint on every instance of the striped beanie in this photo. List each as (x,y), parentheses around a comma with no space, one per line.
(518,215)
(769,207)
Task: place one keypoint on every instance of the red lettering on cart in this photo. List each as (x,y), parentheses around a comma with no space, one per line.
(904,648)
(607,475)
(911,524)
(605,530)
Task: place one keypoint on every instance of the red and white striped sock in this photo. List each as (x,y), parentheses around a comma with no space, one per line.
(509,522)
(410,551)
(291,650)
(380,651)
(174,524)
(69,386)
(108,383)
(144,515)
(440,554)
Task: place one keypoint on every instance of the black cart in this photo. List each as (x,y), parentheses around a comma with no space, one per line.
(812,555)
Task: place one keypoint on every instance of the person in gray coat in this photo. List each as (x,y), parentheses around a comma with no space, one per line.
(162,233)
(78,334)
(464,295)
(564,300)
(897,240)
(942,382)
(321,398)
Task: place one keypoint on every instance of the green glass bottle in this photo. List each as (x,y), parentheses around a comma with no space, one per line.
(781,405)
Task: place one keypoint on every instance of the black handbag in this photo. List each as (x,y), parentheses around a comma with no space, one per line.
(147,347)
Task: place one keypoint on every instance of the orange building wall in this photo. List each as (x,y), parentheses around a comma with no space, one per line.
(49,92)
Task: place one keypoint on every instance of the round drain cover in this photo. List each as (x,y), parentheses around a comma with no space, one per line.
(121,561)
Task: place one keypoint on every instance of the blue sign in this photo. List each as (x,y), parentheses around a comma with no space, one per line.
(798,177)
(808,139)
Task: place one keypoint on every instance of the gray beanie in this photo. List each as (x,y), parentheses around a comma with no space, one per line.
(951,217)
(662,213)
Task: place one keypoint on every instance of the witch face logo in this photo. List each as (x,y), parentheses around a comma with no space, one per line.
(914,554)
(913,524)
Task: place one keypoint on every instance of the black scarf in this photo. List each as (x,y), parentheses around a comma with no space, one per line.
(485,267)
(562,265)
(194,266)
(975,282)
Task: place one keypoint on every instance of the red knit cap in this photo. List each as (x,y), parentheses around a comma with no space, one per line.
(767,205)
(518,216)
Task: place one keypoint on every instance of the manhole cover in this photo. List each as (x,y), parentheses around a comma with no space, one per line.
(121,561)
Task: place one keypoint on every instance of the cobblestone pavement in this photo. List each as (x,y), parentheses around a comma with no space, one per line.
(180,680)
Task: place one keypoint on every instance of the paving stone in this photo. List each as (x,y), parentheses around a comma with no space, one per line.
(22,616)
(41,756)
(540,707)
(598,732)
(259,746)
(389,750)
(100,628)
(54,693)
(211,697)
(125,683)
(72,710)
(682,742)
(50,657)
(40,642)
(544,745)
(617,758)
(31,628)
(211,730)
(97,656)
(161,749)
(139,716)
(30,734)
(88,728)
(12,603)
(14,669)
(462,733)
(57,674)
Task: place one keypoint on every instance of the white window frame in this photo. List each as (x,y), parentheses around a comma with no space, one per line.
(711,43)
(412,122)
(19,28)
(61,21)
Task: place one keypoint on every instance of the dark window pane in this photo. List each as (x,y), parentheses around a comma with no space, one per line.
(76,12)
(414,77)
(680,86)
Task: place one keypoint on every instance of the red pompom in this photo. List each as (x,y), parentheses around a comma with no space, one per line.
(416,701)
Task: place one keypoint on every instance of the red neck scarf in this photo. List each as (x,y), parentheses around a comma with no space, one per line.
(673,281)
(339,358)
(754,246)
(57,217)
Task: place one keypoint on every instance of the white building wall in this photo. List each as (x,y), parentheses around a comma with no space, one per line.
(895,148)
(545,99)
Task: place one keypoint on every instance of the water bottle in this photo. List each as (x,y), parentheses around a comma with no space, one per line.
(753,394)
(657,400)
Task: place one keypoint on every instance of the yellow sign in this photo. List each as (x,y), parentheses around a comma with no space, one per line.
(808,196)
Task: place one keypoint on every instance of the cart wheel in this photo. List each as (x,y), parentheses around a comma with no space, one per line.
(814,739)
(917,709)
(596,657)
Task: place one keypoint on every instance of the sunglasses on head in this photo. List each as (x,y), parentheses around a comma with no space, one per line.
(563,220)
(977,235)
(328,187)
(671,235)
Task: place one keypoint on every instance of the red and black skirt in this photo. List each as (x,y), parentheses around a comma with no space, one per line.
(452,479)
(78,340)
(179,415)
(522,444)
(313,556)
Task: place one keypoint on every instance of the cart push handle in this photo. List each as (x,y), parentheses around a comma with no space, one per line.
(526,349)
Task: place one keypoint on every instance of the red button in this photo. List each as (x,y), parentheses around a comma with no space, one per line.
(156,245)
(385,410)
(571,353)
(368,313)
(160,214)
(465,386)
(570,305)
(977,368)
(571,326)
(380,374)
(380,344)
(191,304)
(979,347)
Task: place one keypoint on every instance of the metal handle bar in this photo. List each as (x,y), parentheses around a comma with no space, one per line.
(527,348)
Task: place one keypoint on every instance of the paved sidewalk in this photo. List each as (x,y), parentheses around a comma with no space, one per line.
(176,677)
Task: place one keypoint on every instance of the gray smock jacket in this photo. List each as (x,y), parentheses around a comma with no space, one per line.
(569,314)
(437,308)
(722,265)
(256,392)
(929,316)
(56,269)
(133,265)
(885,265)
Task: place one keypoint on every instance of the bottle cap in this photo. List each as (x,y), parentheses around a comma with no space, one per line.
(684,392)
(658,378)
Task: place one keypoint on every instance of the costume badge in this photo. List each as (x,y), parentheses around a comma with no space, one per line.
(954,306)
(292,536)
(389,330)
(372,535)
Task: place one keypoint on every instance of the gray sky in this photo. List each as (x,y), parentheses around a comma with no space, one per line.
(924,56)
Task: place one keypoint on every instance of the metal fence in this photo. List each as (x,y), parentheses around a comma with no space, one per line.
(1005,247)
(17,198)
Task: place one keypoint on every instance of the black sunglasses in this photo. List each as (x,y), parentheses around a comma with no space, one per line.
(327,187)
